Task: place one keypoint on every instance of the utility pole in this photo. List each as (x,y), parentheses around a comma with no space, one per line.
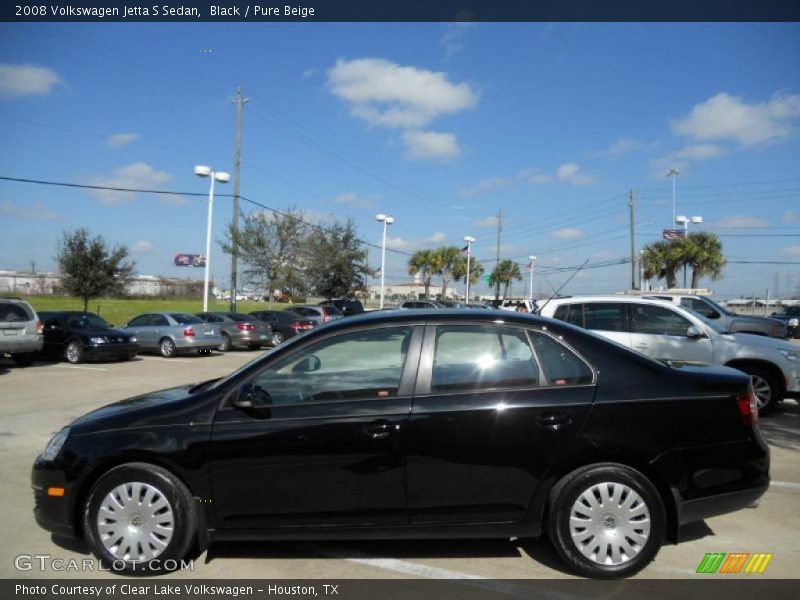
(497,254)
(632,205)
(239,102)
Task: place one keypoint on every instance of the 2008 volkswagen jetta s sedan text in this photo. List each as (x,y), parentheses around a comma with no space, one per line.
(415,424)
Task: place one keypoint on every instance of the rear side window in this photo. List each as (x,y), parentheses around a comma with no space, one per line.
(560,365)
(561,312)
(184,319)
(159,321)
(470,358)
(604,316)
(659,320)
(11,312)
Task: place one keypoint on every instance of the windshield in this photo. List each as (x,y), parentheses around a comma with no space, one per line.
(710,323)
(719,307)
(86,321)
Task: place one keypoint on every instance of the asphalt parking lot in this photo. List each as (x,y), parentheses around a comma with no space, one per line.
(37,401)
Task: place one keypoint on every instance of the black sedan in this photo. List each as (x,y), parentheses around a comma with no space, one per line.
(414,424)
(285,324)
(77,336)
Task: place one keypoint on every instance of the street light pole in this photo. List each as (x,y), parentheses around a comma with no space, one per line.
(203,171)
(533,262)
(469,239)
(674,174)
(386,220)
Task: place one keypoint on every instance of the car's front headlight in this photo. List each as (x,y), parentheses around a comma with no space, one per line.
(133,340)
(98,340)
(54,445)
(791,355)
(794,322)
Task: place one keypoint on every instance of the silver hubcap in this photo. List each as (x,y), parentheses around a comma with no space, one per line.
(72,353)
(135,522)
(277,339)
(166,347)
(762,389)
(609,523)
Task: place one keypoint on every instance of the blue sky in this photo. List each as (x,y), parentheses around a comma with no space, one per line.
(438,125)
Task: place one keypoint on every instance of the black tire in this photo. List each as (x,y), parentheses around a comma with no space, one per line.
(73,353)
(226,344)
(590,553)
(23,360)
(161,485)
(255,346)
(167,347)
(277,338)
(768,388)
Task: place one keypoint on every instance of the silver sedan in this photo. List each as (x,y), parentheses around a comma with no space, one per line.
(172,332)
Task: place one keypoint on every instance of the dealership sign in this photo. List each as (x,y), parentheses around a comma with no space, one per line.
(190,260)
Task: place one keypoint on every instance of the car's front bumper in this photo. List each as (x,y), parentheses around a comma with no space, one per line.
(53,513)
(116,351)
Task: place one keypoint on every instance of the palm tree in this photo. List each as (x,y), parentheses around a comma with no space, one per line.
(504,274)
(703,252)
(425,263)
(661,260)
(459,270)
(445,259)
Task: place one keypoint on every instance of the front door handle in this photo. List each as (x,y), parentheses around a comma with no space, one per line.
(554,420)
(381,429)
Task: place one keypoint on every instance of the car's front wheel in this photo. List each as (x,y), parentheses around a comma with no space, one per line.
(606,520)
(73,353)
(167,347)
(226,344)
(139,518)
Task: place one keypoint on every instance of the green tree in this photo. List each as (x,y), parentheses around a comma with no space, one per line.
(335,261)
(425,263)
(446,258)
(506,272)
(661,259)
(460,270)
(89,268)
(702,251)
(271,244)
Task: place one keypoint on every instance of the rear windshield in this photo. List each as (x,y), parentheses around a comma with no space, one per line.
(11,312)
(184,319)
(332,310)
(240,318)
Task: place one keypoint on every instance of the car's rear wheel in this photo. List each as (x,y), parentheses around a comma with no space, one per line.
(226,344)
(767,387)
(139,518)
(167,347)
(277,338)
(73,353)
(606,520)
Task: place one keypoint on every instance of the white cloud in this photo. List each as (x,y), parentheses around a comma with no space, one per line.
(399,243)
(728,117)
(681,159)
(791,252)
(742,222)
(355,200)
(143,247)
(490,221)
(570,172)
(121,139)
(623,146)
(134,176)
(421,145)
(310,72)
(387,94)
(484,186)
(534,176)
(36,212)
(567,233)
(453,39)
(26,80)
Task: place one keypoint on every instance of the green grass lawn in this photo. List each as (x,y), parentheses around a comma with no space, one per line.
(120,310)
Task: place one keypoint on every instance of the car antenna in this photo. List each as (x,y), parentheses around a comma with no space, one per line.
(555,292)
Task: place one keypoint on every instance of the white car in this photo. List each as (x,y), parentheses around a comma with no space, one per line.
(669,333)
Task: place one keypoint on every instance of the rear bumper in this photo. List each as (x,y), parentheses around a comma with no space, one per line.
(201,342)
(21,346)
(691,511)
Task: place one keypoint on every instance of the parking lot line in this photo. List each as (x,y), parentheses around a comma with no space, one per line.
(186,360)
(81,368)
(785,484)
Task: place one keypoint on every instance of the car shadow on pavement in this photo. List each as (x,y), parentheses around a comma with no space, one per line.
(71,545)
(780,428)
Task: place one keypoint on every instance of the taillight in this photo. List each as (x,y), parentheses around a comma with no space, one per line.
(748,406)
(39,327)
(300,326)
(245,327)
(189,332)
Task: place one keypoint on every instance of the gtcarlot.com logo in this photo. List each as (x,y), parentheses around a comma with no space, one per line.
(734,563)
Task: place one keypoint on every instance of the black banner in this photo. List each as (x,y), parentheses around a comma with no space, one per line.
(400,10)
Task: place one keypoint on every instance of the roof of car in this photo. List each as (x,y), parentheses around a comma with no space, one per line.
(605,298)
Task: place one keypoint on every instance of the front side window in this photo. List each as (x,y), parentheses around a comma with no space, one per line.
(659,320)
(477,357)
(139,321)
(159,321)
(356,365)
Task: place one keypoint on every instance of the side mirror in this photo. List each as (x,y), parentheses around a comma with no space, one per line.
(694,332)
(308,364)
(713,315)
(250,396)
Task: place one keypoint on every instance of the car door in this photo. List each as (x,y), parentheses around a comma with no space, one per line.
(495,408)
(54,337)
(140,327)
(325,441)
(662,333)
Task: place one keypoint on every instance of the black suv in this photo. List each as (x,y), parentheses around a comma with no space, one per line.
(348,307)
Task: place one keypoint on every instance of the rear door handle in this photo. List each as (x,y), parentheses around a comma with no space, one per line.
(381,429)
(554,420)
